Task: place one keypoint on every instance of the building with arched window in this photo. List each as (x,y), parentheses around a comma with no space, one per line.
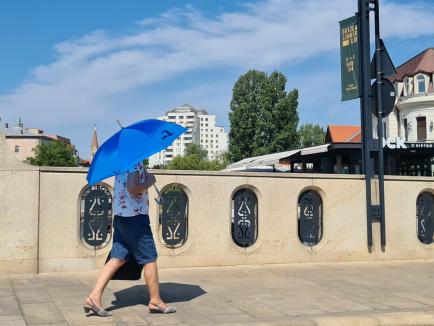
(413,115)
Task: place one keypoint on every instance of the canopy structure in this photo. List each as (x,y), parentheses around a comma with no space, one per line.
(269,162)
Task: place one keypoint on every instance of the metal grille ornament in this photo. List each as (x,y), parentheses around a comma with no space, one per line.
(425,216)
(244,226)
(310,218)
(174,217)
(96,215)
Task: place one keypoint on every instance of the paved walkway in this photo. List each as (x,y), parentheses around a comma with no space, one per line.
(393,293)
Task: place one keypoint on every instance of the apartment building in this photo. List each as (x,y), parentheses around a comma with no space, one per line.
(202,130)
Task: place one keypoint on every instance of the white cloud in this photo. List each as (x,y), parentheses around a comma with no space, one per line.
(91,70)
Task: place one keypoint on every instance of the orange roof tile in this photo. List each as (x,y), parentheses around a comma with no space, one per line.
(343,134)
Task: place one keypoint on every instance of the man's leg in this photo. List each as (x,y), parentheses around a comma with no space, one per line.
(153,283)
(104,277)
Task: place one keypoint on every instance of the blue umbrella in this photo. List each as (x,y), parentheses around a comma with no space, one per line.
(131,145)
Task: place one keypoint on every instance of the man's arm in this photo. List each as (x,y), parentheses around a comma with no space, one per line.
(134,187)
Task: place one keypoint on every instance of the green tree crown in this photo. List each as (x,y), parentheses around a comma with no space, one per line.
(311,135)
(53,153)
(263,116)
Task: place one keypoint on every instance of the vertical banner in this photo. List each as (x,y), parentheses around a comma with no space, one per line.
(350,59)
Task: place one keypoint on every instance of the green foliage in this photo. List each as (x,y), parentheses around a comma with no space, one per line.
(53,153)
(311,135)
(263,116)
(194,149)
(195,159)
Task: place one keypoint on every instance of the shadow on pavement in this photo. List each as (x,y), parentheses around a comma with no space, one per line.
(170,293)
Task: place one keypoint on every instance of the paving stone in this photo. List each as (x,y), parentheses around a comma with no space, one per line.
(10,317)
(17,322)
(9,306)
(31,295)
(129,318)
(40,313)
(6,292)
(303,294)
(60,291)
(78,317)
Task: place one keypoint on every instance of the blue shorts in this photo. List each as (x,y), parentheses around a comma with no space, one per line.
(133,236)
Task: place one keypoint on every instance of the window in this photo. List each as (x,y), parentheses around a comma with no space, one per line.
(206,119)
(406,129)
(421,128)
(244,226)
(420,82)
(206,125)
(407,86)
(17,149)
(216,136)
(201,124)
(181,117)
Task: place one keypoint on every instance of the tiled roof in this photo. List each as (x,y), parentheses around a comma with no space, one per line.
(343,134)
(423,62)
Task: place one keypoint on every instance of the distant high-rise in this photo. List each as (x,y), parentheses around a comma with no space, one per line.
(202,130)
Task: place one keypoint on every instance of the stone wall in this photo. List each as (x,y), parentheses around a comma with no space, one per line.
(19,207)
(39,211)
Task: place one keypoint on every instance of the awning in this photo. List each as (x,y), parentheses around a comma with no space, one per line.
(261,161)
(315,149)
(271,159)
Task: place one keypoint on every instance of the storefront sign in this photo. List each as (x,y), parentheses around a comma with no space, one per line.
(394,143)
(399,143)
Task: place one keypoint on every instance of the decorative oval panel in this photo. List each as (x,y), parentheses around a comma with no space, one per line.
(96,216)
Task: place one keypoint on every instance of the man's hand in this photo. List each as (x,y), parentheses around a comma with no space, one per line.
(134,186)
(149,179)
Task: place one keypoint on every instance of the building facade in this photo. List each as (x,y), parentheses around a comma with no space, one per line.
(413,116)
(23,140)
(202,130)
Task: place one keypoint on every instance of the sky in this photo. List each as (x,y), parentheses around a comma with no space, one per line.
(66,66)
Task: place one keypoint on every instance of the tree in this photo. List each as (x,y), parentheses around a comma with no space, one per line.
(194,149)
(195,158)
(311,135)
(53,153)
(263,116)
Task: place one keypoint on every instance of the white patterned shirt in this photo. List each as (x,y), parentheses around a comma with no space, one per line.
(126,204)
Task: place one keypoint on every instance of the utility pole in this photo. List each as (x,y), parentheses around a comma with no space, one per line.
(358,72)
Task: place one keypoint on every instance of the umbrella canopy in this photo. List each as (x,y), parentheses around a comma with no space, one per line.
(131,145)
